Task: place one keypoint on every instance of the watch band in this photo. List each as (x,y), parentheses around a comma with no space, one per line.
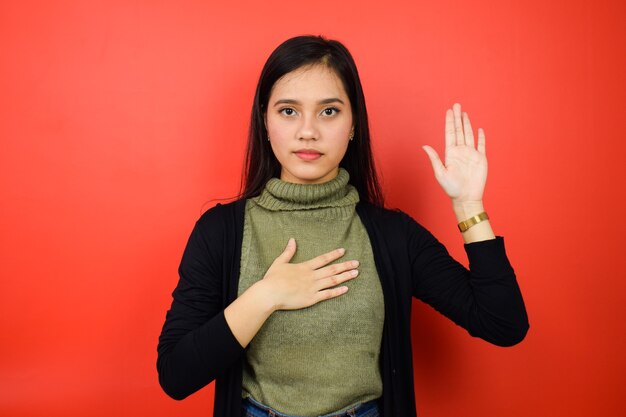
(466,224)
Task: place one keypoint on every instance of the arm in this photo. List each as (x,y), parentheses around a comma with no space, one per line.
(196,344)
(200,338)
(485,300)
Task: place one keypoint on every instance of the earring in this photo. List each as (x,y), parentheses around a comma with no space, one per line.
(351,134)
(268,138)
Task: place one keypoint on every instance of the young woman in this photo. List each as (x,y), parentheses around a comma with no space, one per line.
(296,298)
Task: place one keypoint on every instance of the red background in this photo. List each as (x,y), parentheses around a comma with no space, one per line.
(120,122)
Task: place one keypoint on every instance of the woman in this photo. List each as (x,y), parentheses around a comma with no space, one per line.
(296,297)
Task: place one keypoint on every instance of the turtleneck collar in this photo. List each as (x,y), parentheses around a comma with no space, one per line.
(279,195)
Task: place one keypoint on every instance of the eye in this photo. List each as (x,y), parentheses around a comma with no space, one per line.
(331,111)
(287,111)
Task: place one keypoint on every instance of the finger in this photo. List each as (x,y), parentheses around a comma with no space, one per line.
(325,259)
(450,136)
(330,293)
(438,166)
(458,124)
(467,129)
(481,141)
(335,280)
(335,269)
(288,253)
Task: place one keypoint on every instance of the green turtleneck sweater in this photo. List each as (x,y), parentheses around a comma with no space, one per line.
(323,358)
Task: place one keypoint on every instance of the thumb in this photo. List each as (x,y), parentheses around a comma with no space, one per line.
(438,167)
(288,253)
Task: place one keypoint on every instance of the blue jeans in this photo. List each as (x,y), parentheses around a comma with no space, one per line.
(252,408)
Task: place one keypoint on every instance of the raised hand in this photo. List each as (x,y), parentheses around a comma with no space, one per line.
(301,285)
(463,173)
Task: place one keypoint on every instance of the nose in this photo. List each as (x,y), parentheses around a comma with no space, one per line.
(308,128)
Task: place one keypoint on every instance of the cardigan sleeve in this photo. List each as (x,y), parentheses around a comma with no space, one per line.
(196,345)
(485,300)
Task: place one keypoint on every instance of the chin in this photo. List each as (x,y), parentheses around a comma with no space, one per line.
(308,176)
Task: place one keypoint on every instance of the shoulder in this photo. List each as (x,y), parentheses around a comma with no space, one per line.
(220,220)
(216,231)
(221,213)
(393,225)
(384,216)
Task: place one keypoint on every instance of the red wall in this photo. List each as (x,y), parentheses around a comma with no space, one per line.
(120,121)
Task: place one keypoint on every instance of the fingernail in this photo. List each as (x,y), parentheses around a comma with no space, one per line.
(342,250)
(354,272)
(355,263)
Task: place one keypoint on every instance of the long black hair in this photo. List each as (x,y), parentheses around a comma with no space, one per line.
(294,53)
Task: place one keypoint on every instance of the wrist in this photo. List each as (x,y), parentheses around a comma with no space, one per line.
(262,295)
(463,210)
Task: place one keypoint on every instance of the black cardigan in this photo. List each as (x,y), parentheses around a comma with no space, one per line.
(196,345)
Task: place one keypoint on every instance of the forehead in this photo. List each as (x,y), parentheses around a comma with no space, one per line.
(313,81)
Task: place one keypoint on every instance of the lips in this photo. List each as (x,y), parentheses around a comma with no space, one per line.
(308,154)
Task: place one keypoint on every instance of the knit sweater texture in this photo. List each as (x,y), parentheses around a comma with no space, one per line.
(323,358)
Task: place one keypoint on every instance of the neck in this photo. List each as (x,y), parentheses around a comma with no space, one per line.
(281,195)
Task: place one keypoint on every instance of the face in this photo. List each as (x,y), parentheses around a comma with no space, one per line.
(308,121)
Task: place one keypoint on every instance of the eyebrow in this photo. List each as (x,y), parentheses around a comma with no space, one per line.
(325,101)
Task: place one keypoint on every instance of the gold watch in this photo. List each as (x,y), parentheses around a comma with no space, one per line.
(466,224)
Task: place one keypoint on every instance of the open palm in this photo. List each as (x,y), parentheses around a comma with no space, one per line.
(463,173)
